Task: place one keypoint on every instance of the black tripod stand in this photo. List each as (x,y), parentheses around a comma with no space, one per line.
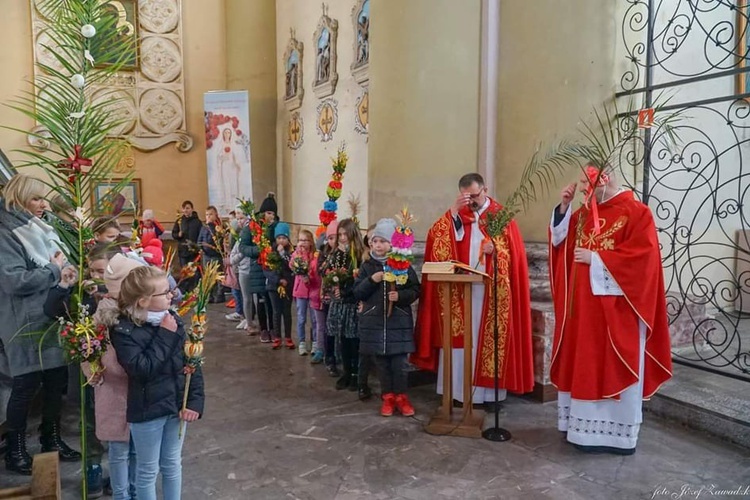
(496,433)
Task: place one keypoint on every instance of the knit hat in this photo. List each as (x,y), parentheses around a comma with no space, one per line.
(282,229)
(118,268)
(148,214)
(153,252)
(269,204)
(384,229)
(332,228)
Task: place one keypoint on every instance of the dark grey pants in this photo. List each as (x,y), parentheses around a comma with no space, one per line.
(392,373)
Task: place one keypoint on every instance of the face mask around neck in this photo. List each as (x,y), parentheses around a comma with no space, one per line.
(155,317)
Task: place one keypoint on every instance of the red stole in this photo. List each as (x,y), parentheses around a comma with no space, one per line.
(596,348)
(515,356)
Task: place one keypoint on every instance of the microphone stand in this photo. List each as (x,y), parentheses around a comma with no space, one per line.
(496,433)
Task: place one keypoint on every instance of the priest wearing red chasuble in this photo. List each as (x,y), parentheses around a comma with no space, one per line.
(460,234)
(611,347)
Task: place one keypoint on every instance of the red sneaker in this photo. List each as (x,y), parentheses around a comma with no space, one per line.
(231,303)
(388,401)
(404,406)
(276,344)
(289,343)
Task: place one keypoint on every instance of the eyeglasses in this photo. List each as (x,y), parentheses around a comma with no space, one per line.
(168,292)
(476,195)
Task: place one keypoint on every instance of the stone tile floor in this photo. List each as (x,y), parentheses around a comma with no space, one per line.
(276,428)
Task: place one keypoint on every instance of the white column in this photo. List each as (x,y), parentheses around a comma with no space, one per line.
(488,89)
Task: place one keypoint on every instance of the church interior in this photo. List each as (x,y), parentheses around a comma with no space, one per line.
(239,103)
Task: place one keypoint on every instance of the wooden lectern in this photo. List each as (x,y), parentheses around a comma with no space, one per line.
(445,422)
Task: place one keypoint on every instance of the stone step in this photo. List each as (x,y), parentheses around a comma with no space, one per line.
(704,401)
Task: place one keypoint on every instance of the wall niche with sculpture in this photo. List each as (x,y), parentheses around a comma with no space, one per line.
(293,91)
(361,19)
(325,42)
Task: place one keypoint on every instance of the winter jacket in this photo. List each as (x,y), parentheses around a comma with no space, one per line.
(24,287)
(273,278)
(111,396)
(153,359)
(59,301)
(311,289)
(207,242)
(239,263)
(250,250)
(191,229)
(156,230)
(378,333)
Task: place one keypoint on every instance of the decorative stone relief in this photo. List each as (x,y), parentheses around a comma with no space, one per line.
(293,91)
(325,43)
(328,119)
(295,131)
(362,113)
(361,20)
(149,96)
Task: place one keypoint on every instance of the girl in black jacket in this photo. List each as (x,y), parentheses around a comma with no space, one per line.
(149,340)
(343,265)
(388,338)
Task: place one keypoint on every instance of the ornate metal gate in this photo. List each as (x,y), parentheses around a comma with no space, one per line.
(696,51)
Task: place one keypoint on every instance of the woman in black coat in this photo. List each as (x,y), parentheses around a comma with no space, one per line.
(389,338)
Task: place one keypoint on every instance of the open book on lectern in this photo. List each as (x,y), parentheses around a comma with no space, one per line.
(450,267)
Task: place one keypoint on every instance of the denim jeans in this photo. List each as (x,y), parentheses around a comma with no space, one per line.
(122,465)
(238,304)
(303,305)
(158,449)
(320,330)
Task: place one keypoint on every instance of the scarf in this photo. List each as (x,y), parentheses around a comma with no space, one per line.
(155,317)
(379,259)
(38,238)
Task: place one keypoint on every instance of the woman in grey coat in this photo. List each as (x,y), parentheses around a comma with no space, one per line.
(31,265)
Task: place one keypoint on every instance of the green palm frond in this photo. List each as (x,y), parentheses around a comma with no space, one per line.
(603,141)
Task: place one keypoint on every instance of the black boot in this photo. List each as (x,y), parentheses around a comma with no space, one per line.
(51,441)
(17,458)
(353,383)
(364,392)
(343,382)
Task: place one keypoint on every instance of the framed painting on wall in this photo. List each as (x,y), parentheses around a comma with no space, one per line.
(122,22)
(127,202)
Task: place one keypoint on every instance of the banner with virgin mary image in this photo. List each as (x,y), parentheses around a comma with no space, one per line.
(227,122)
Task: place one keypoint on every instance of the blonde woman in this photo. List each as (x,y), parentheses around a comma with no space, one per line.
(32,263)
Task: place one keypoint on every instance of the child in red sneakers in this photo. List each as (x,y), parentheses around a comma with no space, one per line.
(388,338)
(279,281)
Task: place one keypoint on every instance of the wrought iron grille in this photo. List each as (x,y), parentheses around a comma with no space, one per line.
(696,52)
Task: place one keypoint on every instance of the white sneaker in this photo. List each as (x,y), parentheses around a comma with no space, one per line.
(242,325)
(302,349)
(234,317)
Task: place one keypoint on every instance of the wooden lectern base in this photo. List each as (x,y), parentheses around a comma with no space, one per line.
(456,424)
(467,423)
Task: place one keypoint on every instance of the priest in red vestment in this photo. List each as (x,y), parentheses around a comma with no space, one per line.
(460,234)
(611,347)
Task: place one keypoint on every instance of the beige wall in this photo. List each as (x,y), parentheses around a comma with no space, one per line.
(304,173)
(424,81)
(168,176)
(251,66)
(553,69)
(17,68)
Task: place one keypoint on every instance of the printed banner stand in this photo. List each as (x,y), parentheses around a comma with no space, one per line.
(229,171)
